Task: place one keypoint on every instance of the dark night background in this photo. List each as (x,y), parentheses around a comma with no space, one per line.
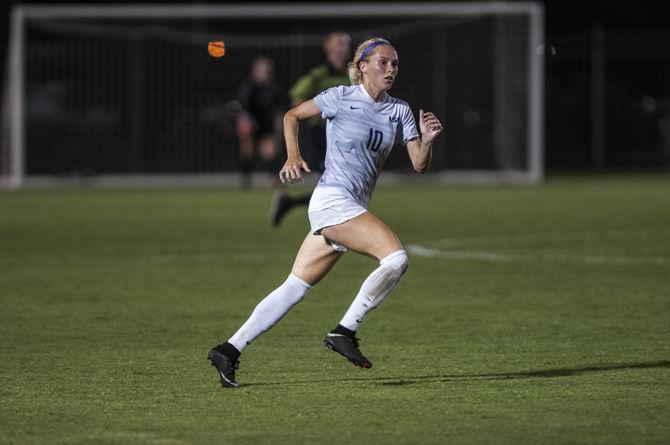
(634,128)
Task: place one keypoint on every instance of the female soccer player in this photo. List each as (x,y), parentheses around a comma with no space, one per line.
(362,120)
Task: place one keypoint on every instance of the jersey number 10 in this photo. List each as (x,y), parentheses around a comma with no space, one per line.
(375,140)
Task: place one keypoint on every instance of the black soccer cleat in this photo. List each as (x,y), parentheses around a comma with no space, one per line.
(225,366)
(280,205)
(347,347)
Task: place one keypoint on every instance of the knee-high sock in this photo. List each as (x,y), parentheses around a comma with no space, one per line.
(376,288)
(270,310)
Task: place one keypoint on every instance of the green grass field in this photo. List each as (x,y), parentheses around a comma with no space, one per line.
(535,315)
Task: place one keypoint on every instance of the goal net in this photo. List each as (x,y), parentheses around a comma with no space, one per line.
(130,92)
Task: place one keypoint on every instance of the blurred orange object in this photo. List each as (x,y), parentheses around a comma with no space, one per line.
(216,49)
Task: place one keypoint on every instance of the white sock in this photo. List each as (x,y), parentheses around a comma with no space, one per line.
(270,310)
(376,288)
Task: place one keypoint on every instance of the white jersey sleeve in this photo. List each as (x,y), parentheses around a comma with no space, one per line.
(328,101)
(409,130)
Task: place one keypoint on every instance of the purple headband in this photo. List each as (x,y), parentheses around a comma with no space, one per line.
(370,47)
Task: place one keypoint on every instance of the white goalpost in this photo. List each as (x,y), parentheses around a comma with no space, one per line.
(120,94)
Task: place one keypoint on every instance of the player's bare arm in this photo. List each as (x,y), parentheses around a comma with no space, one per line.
(292,169)
(421,150)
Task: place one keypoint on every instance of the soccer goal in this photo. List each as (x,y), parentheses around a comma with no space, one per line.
(113,94)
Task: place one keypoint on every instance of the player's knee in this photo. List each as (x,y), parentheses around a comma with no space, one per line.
(396,263)
(298,289)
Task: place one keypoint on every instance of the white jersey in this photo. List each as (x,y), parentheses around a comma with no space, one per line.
(360,134)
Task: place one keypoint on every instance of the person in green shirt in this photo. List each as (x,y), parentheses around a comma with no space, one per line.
(332,73)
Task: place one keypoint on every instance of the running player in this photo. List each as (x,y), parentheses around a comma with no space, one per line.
(362,121)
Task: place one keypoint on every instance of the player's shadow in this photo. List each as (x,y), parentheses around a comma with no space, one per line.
(542,373)
(520,375)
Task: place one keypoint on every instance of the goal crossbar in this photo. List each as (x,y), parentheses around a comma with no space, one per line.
(14,175)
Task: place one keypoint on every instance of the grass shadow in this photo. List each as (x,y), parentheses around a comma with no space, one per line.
(443,378)
(543,373)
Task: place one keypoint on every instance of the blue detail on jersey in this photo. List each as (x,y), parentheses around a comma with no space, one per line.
(375,140)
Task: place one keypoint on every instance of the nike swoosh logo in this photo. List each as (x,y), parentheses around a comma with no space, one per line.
(354,108)
(227,379)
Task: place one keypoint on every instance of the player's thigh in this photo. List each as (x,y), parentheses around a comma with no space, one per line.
(267,147)
(315,259)
(246,147)
(365,234)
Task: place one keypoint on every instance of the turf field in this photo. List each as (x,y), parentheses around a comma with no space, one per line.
(528,315)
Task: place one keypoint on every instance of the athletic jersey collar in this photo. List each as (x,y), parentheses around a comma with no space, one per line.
(370,99)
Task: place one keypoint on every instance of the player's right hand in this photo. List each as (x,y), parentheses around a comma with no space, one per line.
(291,172)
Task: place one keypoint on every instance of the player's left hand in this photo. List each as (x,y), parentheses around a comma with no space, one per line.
(429,125)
